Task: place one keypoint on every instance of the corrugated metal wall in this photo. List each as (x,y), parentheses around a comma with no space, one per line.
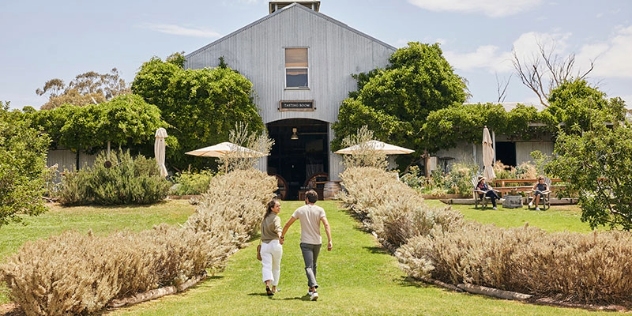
(335,53)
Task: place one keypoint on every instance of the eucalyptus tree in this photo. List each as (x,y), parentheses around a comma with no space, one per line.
(87,88)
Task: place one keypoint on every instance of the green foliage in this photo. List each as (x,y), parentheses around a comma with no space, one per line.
(125,120)
(413,178)
(459,179)
(191,183)
(395,101)
(126,181)
(448,127)
(579,106)
(22,166)
(598,165)
(593,153)
(201,105)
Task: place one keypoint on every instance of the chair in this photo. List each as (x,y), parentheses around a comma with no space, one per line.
(545,198)
(478,199)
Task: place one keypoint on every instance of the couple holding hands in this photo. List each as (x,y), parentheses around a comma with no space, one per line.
(272,238)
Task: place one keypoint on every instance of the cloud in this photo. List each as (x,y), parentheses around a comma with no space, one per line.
(492,8)
(179,30)
(487,57)
(611,57)
(496,60)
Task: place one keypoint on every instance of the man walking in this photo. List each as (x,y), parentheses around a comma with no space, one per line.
(310,216)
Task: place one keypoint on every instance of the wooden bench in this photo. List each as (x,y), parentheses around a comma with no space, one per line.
(525,186)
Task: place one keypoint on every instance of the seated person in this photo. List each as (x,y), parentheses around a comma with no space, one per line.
(539,189)
(487,190)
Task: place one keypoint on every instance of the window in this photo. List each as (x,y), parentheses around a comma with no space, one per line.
(296,70)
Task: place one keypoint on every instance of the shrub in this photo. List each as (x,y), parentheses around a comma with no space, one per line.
(413,178)
(582,268)
(235,202)
(191,183)
(459,179)
(75,273)
(119,180)
(389,208)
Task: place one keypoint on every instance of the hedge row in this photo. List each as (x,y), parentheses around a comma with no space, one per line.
(437,244)
(75,273)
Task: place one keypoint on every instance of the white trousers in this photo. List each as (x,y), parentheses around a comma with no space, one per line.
(271,254)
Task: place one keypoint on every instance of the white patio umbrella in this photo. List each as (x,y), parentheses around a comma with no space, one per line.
(159,150)
(225,148)
(488,155)
(383,147)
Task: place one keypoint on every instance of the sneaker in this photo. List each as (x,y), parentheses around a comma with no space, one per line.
(493,208)
(537,208)
(313,296)
(530,204)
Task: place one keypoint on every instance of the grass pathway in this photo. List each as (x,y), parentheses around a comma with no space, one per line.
(356,278)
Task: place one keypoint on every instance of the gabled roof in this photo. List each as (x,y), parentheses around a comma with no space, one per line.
(286,10)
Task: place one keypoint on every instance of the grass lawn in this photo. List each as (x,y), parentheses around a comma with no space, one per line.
(556,219)
(356,278)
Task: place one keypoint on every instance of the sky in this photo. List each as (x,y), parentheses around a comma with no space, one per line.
(43,39)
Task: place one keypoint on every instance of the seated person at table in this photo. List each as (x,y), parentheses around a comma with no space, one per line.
(538,190)
(487,191)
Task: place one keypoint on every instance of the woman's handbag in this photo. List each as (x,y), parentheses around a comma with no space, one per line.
(259,251)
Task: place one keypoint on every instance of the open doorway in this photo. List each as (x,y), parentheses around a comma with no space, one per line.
(300,155)
(506,153)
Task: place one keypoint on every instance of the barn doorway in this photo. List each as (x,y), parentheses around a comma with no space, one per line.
(506,153)
(299,157)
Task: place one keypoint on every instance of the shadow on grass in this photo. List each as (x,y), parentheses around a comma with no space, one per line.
(377,250)
(295,298)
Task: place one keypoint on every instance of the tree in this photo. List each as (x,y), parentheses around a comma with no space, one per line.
(576,105)
(396,101)
(593,153)
(87,88)
(547,71)
(22,167)
(598,165)
(126,120)
(200,105)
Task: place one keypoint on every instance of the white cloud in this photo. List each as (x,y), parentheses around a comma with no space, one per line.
(495,60)
(492,8)
(612,57)
(487,57)
(180,30)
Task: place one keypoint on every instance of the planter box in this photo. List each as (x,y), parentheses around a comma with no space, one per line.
(512,201)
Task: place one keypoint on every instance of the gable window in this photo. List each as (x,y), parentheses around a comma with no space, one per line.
(296,69)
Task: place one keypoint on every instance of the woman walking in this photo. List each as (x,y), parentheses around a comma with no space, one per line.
(271,249)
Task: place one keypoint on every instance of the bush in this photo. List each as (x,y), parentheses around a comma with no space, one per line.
(389,208)
(76,274)
(581,268)
(235,202)
(190,183)
(121,180)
